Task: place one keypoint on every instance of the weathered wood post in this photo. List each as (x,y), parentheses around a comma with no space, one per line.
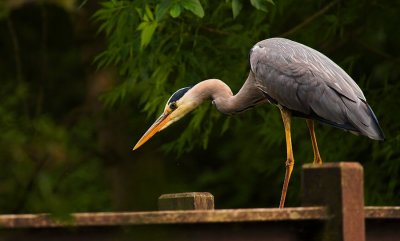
(186,201)
(339,187)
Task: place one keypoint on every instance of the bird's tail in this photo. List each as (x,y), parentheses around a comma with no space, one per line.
(377,130)
(362,117)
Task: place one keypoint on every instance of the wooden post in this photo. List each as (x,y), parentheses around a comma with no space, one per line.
(339,187)
(186,201)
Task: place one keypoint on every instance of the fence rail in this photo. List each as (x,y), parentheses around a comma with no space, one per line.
(333,210)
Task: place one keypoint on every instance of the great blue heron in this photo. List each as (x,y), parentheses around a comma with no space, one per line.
(299,80)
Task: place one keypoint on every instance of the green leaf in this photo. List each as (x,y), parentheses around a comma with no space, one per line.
(175,10)
(149,14)
(236,7)
(148,29)
(261,4)
(194,6)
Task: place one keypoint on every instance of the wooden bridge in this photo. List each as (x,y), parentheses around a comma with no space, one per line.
(332,210)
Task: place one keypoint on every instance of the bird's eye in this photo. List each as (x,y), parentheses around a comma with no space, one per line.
(173,106)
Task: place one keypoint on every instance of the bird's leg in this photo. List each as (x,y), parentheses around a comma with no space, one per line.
(317,157)
(286,117)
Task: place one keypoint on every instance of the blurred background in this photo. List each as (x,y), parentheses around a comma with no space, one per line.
(82,80)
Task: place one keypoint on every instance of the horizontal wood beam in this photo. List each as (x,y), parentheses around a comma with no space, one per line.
(176,217)
(379,212)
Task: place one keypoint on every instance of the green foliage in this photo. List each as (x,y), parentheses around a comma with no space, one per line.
(47,151)
(40,160)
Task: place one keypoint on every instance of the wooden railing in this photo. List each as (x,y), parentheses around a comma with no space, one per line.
(333,210)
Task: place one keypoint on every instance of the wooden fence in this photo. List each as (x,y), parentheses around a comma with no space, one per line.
(332,210)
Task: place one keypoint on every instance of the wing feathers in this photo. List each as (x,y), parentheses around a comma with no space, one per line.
(311,85)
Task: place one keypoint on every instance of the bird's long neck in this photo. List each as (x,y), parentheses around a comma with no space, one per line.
(220,93)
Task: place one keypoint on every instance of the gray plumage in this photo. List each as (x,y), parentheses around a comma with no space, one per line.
(299,80)
(310,85)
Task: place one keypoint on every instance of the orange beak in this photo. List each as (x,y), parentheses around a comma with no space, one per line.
(156,127)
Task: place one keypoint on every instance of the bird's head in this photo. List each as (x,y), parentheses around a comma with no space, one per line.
(178,105)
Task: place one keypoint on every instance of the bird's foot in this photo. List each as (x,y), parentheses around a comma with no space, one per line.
(317,160)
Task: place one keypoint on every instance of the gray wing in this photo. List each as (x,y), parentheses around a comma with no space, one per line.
(311,85)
